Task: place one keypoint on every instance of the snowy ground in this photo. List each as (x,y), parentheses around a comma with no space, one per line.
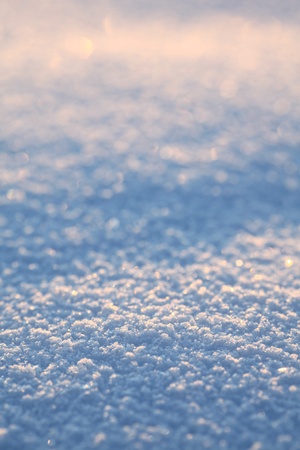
(149,225)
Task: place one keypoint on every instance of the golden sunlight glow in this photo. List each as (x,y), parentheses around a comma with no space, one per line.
(288,263)
(79,46)
(235,45)
(239,41)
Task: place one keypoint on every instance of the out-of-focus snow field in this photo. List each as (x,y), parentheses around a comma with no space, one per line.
(149,225)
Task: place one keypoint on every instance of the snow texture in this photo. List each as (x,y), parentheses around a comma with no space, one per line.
(149,226)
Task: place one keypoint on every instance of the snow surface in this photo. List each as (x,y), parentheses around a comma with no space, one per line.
(149,226)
